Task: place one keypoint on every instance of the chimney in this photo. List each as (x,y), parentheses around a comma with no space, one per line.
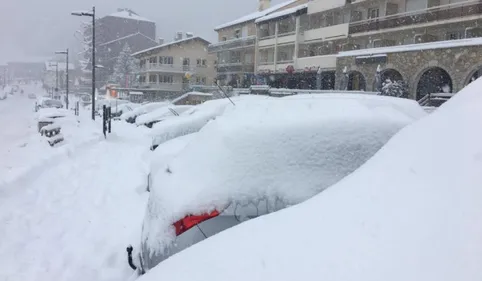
(161,41)
(178,36)
(189,35)
(264,4)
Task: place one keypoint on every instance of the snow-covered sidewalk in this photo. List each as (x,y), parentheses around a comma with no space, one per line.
(75,218)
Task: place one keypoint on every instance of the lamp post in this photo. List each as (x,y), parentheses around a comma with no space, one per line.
(91,14)
(66,53)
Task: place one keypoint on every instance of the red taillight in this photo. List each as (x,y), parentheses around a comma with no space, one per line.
(188,222)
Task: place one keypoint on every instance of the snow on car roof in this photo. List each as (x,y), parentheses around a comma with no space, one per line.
(161,113)
(44,113)
(283,149)
(412,212)
(194,119)
(143,109)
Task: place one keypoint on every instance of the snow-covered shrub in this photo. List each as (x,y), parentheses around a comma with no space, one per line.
(394,89)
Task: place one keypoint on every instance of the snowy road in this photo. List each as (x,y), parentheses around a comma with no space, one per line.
(74,218)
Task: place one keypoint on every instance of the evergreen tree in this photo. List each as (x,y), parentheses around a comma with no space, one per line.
(125,68)
(394,89)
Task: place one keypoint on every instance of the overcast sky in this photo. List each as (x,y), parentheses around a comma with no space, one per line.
(36,28)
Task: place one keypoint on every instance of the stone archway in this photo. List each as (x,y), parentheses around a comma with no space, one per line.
(433,80)
(474,75)
(356,81)
(391,74)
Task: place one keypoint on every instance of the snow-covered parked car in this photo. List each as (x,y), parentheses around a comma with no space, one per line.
(32,96)
(51,103)
(261,156)
(161,114)
(118,110)
(412,212)
(131,116)
(193,120)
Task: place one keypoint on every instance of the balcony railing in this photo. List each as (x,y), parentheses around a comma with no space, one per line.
(168,68)
(445,12)
(232,44)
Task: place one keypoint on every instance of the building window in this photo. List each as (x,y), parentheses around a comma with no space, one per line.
(168,79)
(285,53)
(373,13)
(266,56)
(237,33)
(198,62)
(204,62)
(267,29)
(186,61)
(152,78)
(201,80)
(168,60)
(224,38)
(356,16)
(286,26)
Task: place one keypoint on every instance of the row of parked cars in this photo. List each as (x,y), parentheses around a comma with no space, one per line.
(219,164)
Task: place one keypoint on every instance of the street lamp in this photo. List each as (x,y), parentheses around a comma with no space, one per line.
(56,76)
(91,14)
(66,53)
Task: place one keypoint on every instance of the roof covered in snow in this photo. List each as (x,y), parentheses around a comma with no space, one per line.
(409,213)
(282,13)
(191,94)
(414,47)
(172,43)
(255,15)
(128,15)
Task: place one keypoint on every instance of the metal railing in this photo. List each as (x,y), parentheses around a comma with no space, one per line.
(232,44)
(169,68)
(435,99)
(451,11)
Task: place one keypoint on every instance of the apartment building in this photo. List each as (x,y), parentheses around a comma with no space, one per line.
(430,45)
(170,69)
(235,50)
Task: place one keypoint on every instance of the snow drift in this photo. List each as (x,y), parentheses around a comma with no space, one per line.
(285,149)
(161,113)
(194,119)
(143,109)
(412,212)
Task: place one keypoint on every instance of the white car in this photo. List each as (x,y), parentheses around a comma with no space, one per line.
(261,156)
(163,113)
(130,117)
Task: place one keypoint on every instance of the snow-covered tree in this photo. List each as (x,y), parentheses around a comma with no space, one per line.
(125,68)
(394,89)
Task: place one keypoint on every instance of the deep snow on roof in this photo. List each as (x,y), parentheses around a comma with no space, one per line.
(282,13)
(254,15)
(172,43)
(412,212)
(414,47)
(286,150)
(127,15)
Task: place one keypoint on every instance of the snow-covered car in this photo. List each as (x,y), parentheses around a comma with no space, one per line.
(51,103)
(192,120)
(32,96)
(261,156)
(120,109)
(412,212)
(131,116)
(161,114)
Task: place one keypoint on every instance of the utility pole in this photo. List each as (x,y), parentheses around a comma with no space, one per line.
(91,14)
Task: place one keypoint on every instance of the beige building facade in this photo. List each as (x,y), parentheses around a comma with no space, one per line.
(176,67)
(429,45)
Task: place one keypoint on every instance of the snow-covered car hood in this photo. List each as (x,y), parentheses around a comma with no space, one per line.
(285,150)
(412,212)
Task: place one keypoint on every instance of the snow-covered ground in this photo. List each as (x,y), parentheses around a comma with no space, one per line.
(68,212)
(412,212)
